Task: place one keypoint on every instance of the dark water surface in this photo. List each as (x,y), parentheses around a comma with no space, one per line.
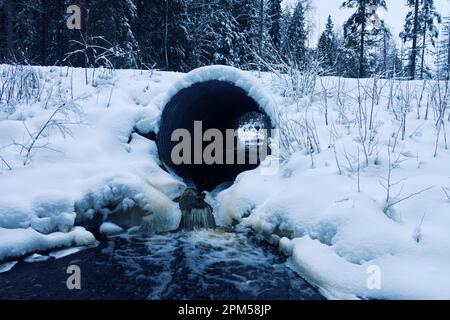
(185,265)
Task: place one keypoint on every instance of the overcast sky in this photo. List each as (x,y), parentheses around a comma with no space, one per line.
(394,17)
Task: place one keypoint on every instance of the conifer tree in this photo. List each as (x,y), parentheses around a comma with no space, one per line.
(275,14)
(295,40)
(358,33)
(420,30)
(327,47)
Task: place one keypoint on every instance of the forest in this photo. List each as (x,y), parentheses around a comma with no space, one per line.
(181,35)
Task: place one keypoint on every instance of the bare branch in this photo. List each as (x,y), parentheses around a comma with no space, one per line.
(6,163)
(409,197)
(446,193)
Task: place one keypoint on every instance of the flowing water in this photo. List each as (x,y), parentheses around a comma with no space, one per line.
(206,264)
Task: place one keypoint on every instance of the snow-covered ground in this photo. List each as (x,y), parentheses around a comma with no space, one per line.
(102,161)
(326,206)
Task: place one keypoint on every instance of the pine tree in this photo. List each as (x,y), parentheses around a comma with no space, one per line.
(181,35)
(419,28)
(286,18)
(175,35)
(349,60)
(112,20)
(3,15)
(411,33)
(158,28)
(295,40)
(58,36)
(142,29)
(226,37)
(386,43)
(308,12)
(385,56)
(327,48)
(171,34)
(149,29)
(394,62)
(275,14)
(357,32)
(10,11)
(429,30)
(443,59)
(245,12)
(211,33)
(27,32)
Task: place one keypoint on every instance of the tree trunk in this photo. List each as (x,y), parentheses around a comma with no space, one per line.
(84,17)
(414,44)
(83,36)
(362,9)
(261,27)
(10,29)
(166,35)
(384,52)
(422,61)
(60,45)
(448,55)
(44,32)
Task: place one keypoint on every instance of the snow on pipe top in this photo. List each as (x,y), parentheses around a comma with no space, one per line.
(235,76)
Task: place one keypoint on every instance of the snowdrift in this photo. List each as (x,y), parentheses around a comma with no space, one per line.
(77,181)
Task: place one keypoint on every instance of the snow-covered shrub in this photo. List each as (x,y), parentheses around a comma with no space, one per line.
(301,82)
(61,119)
(19,84)
(297,133)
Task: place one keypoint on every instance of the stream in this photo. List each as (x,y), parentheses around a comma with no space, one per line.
(207,264)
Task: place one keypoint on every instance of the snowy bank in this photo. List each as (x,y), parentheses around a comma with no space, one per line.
(96,166)
(19,242)
(327,205)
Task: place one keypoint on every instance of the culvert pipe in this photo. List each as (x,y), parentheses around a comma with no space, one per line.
(215,97)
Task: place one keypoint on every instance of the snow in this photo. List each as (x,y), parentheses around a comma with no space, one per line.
(65,252)
(109,228)
(19,242)
(239,78)
(36,257)
(72,180)
(7,266)
(334,234)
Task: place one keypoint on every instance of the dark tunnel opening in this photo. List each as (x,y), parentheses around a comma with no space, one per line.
(218,105)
